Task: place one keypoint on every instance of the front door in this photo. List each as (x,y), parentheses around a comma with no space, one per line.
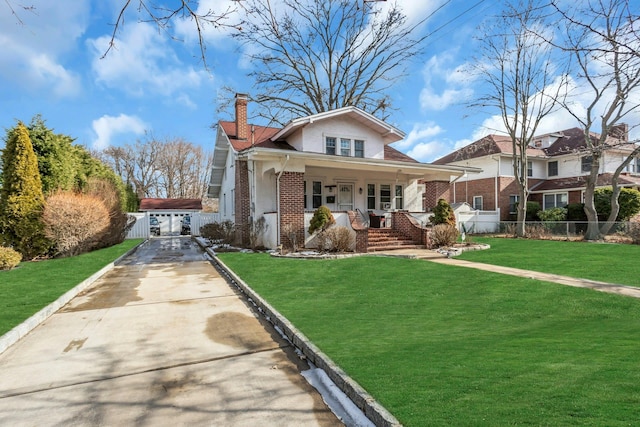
(345,197)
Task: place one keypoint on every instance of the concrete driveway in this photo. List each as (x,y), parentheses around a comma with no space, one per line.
(160,340)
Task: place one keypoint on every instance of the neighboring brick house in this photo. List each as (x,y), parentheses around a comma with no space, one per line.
(340,158)
(558,164)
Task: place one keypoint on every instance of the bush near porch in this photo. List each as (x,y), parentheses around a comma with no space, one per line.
(447,345)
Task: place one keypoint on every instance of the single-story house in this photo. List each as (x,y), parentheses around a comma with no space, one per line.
(269,180)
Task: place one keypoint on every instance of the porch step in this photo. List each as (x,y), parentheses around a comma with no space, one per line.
(384,239)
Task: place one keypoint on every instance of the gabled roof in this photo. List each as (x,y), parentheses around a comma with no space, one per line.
(568,141)
(577,182)
(170,204)
(389,133)
(391,153)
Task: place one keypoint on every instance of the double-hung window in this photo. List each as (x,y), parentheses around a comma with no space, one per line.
(556,200)
(330,145)
(358,148)
(552,168)
(586,162)
(317,194)
(345,147)
(371,196)
(513,204)
(385,196)
(477,203)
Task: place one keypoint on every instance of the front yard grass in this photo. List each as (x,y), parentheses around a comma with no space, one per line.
(606,262)
(443,345)
(34,285)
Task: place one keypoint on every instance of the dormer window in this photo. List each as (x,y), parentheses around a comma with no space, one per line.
(330,145)
(345,147)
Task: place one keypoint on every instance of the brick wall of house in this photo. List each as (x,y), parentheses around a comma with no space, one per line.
(242,206)
(292,206)
(465,191)
(574,197)
(433,191)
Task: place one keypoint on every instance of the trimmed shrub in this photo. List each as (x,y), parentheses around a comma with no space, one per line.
(532,211)
(118,222)
(219,232)
(340,238)
(553,214)
(322,219)
(9,258)
(575,212)
(444,235)
(74,222)
(443,214)
(628,199)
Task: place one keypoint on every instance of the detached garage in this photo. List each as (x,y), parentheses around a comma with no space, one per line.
(170,212)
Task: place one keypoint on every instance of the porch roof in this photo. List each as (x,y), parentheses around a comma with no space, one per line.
(418,170)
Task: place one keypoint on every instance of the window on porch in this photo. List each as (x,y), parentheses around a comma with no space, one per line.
(385,196)
(371,196)
(399,197)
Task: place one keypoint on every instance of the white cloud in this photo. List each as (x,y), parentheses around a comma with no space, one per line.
(32,50)
(107,126)
(420,131)
(445,84)
(429,151)
(141,62)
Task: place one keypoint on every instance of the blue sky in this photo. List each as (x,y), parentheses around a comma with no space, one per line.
(51,64)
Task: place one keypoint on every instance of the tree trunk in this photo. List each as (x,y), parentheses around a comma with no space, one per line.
(593,230)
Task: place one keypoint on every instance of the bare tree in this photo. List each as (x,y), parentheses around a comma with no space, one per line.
(602,37)
(312,56)
(522,83)
(171,168)
(162,15)
(181,166)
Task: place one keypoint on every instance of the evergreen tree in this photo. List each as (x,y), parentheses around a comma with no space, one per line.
(57,162)
(21,197)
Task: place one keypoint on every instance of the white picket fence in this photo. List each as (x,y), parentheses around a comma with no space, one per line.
(140,229)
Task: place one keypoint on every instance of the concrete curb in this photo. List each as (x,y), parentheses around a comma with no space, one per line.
(15,334)
(363,400)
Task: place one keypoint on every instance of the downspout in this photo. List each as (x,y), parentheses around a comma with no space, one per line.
(278,200)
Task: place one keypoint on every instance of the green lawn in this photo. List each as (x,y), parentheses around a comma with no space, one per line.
(442,345)
(33,285)
(607,262)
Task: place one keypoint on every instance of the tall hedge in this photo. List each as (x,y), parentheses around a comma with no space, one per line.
(21,197)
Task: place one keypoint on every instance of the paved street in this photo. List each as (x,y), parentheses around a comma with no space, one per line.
(160,340)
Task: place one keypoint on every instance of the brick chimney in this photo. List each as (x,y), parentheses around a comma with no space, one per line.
(242,127)
(619,131)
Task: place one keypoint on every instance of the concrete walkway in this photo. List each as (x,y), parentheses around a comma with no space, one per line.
(434,256)
(160,340)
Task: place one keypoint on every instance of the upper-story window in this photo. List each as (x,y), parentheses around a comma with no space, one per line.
(529,168)
(330,145)
(552,168)
(345,147)
(634,166)
(586,163)
(358,148)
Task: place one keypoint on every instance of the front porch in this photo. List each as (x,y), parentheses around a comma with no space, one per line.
(401,230)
